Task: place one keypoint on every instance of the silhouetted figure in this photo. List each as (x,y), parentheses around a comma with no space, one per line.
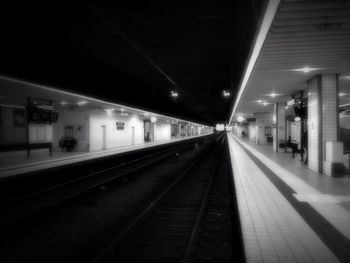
(304,147)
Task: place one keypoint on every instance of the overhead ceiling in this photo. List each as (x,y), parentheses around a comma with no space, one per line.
(132,54)
(314,34)
(17,92)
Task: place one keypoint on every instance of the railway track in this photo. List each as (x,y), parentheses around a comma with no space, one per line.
(28,204)
(152,213)
(190,221)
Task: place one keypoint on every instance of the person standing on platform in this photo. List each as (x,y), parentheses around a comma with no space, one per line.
(303,149)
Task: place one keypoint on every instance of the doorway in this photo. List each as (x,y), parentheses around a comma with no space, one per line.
(148,131)
(104,137)
(132,135)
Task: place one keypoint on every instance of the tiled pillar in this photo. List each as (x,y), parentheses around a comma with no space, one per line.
(279,131)
(323,120)
(263,127)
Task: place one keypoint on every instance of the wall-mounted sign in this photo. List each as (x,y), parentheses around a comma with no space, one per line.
(120,125)
(41,111)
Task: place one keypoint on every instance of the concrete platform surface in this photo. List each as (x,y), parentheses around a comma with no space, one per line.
(273,230)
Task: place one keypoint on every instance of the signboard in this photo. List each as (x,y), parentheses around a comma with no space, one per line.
(120,125)
(41,112)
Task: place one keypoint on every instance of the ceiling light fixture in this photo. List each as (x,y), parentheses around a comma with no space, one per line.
(63,103)
(342,94)
(297,118)
(174,94)
(109,111)
(305,69)
(264,103)
(273,94)
(226,93)
(240,118)
(82,102)
(154,119)
(124,114)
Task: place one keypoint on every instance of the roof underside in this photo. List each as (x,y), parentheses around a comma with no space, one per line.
(313,34)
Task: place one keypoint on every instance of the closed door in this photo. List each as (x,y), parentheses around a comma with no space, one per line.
(104,137)
(133,135)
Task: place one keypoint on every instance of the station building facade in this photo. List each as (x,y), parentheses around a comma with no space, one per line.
(63,121)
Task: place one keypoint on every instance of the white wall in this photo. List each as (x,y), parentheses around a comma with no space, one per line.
(162,131)
(114,137)
(88,129)
(252,131)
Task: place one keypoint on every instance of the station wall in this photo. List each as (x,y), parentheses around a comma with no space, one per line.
(103,127)
(162,131)
(95,129)
(252,131)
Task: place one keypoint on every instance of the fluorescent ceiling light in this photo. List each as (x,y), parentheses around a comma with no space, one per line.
(226,93)
(109,111)
(174,93)
(240,118)
(82,102)
(305,69)
(273,94)
(342,94)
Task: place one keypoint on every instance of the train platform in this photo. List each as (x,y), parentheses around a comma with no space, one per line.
(13,163)
(288,213)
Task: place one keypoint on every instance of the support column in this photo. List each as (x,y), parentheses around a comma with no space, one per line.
(279,131)
(323,123)
(264,123)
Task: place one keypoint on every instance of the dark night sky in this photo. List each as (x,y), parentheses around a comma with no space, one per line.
(124,52)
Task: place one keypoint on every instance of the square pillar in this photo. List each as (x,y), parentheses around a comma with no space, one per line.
(264,122)
(323,119)
(279,131)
